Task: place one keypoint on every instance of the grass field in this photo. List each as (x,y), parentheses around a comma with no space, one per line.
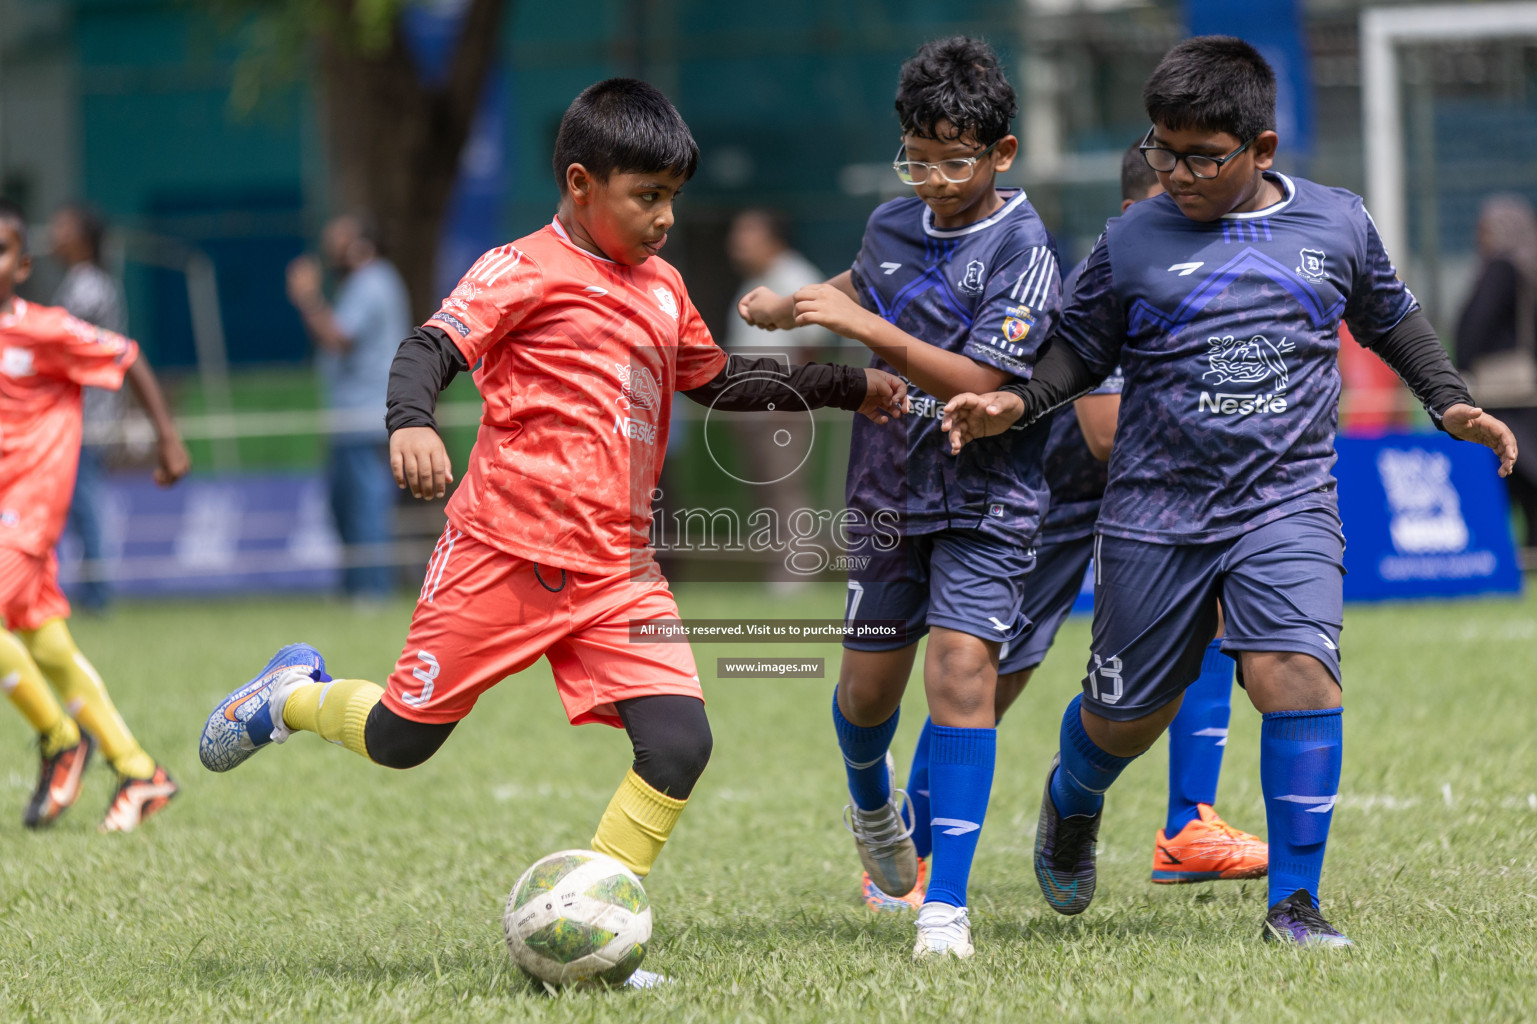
(309,885)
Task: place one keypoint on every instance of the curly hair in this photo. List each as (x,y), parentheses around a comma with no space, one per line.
(958,80)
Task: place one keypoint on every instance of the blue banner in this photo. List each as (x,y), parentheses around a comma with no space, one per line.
(1425,516)
(1274,28)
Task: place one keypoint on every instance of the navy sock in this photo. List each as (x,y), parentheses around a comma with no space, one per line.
(1079,783)
(864,757)
(960,782)
(918,791)
(1197,737)
(1299,767)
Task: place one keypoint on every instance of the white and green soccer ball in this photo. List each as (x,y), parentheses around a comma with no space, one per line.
(578,918)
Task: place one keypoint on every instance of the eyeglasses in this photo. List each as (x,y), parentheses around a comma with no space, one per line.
(916,172)
(1164,160)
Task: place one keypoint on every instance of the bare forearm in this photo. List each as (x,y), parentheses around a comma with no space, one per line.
(938,372)
(321,325)
(844,282)
(147,390)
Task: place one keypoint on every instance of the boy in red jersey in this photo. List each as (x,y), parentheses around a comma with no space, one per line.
(46,356)
(581,338)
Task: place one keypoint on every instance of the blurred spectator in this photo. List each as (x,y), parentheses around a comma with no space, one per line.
(90,293)
(356,341)
(1497,336)
(774,446)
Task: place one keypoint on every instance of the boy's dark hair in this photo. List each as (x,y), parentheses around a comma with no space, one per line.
(957,80)
(624,125)
(91,226)
(1136,176)
(1213,84)
(14,217)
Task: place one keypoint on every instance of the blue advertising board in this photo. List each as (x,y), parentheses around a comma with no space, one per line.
(1425,516)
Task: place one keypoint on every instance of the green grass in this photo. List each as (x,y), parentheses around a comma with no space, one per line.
(310,885)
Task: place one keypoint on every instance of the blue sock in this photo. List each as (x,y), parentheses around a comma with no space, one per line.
(1079,783)
(960,781)
(864,757)
(918,791)
(1196,739)
(1299,770)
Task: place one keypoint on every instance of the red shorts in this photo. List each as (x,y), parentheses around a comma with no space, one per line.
(484,614)
(29,589)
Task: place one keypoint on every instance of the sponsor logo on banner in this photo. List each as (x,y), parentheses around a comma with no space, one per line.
(1425,509)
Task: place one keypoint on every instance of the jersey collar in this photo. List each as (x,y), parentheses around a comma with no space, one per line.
(981,225)
(1274,208)
(18,310)
(560,232)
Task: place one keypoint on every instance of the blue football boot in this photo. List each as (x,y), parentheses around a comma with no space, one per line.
(243,723)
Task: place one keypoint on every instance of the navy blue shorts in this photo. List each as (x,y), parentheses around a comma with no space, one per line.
(1049,595)
(963,580)
(1155,607)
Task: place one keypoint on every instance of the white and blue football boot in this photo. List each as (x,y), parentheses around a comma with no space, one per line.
(244,722)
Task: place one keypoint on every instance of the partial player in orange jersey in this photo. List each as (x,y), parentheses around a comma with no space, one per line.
(46,357)
(580,336)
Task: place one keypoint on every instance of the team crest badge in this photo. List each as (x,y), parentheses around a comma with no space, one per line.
(665,301)
(1312,264)
(972,282)
(1017,321)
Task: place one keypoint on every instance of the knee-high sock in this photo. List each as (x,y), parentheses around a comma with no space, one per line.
(336,710)
(1197,737)
(636,824)
(23,683)
(864,757)
(1299,769)
(85,697)
(1079,783)
(960,782)
(918,791)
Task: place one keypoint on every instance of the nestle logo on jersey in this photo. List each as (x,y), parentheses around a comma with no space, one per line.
(1246,362)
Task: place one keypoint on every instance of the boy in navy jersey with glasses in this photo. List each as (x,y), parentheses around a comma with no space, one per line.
(954,287)
(1221,302)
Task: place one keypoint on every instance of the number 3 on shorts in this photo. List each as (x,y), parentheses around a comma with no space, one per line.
(427,672)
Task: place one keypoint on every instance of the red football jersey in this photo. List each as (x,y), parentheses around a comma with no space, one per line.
(46,356)
(579,358)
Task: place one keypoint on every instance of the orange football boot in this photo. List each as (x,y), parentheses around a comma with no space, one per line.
(879,901)
(1207,849)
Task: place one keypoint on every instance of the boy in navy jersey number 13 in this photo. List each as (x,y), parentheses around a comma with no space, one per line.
(954,288)
(1221,302)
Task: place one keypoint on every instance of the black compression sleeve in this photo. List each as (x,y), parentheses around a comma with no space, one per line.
(424,365)
(1414,352)
(1060,376)
(749,385)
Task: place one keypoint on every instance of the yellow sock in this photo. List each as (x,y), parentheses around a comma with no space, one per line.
(85,697)
(636,824)
(22,681)
(336,711)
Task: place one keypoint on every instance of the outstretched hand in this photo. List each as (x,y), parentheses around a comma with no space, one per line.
(885,396)
(1469,424)
(968,416)
(827,305)
(420,462)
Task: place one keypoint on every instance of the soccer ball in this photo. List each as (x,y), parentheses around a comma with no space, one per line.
(578,918)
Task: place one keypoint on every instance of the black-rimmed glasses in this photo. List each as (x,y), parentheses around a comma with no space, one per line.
(1164,160)
(916,172)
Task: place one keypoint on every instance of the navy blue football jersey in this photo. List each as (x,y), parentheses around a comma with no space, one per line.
(1227,333)
(989,290)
